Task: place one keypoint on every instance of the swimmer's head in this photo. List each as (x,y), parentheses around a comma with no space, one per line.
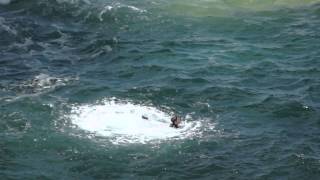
(175,121)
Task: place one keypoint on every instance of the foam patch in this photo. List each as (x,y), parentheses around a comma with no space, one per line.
(123,122)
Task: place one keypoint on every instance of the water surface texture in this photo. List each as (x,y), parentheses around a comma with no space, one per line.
(76,76)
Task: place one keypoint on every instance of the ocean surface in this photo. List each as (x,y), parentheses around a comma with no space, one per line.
(76,77)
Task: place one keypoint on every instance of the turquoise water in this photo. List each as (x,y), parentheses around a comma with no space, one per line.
(76,76)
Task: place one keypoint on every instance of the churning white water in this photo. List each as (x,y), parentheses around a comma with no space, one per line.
(123,122)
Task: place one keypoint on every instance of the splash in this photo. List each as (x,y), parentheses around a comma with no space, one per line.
(122,122)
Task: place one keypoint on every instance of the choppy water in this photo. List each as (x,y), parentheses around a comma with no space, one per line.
(77,75)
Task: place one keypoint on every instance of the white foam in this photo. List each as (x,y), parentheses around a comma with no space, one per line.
(123,122)
(104,10)
(41,83)
(136,9)
(109,8)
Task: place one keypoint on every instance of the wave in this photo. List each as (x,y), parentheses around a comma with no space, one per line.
(98,11)
(5,26)
(75,10)
(41,83)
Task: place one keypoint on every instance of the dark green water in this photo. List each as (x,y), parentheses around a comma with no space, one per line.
(249,73)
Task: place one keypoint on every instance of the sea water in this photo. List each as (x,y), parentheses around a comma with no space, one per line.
(77,76)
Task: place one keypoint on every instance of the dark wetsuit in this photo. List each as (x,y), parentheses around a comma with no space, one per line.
(175,122)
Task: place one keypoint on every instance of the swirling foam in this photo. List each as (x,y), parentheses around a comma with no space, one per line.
(123,122)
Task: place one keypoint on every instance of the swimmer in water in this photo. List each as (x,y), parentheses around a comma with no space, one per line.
(175,121)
